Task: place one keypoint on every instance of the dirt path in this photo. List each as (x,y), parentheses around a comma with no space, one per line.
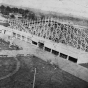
(17,68)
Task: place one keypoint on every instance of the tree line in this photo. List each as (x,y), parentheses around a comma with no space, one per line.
(5,10)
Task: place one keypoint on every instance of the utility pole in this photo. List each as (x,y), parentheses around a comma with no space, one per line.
(34,78)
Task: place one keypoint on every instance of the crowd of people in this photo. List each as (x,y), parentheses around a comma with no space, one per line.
(54,30)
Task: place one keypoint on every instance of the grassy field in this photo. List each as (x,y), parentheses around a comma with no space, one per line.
(7,65)
(47,76)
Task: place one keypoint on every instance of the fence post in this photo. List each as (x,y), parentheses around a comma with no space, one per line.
(34,78)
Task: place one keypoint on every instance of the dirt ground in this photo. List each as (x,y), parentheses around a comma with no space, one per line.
(47,76)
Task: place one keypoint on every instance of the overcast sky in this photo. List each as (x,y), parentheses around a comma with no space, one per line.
(75,7)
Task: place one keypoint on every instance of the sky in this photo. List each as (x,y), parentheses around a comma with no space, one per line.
(74,7)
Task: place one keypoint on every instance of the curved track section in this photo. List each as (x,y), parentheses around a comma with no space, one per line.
(10,74)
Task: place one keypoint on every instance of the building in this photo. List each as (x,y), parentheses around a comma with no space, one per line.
(52,36)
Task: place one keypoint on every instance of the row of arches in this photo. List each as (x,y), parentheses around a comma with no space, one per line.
(21,37)
(54,52)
